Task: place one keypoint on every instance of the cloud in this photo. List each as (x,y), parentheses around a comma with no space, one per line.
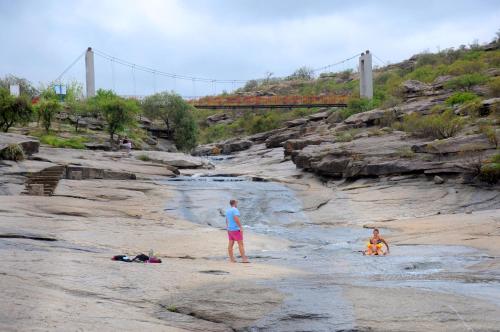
(225,39)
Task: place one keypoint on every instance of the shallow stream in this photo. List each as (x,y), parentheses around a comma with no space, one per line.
(331,255)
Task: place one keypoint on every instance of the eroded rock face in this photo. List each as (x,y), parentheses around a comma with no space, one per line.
(469,143)
(29,144)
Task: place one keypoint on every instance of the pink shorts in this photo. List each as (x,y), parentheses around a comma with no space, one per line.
(235,235)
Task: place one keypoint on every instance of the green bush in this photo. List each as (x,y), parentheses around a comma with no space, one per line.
(490,131)
(143,157)
(425,74)
(12,152)
(490,172)
(462,67)
(405,152)
(438,126)
(494,87)
(75,142)
(459,98)
(466,82)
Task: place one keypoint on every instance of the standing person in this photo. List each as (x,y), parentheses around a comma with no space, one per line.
(235,231)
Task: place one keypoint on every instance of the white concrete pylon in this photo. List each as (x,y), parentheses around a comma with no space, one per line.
(365,75)
(89,73)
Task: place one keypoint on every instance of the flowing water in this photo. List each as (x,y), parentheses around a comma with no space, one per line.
(316,302)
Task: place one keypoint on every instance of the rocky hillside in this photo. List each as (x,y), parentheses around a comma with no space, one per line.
(445,128)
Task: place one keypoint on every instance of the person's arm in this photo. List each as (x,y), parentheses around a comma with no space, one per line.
(227,225)
(386,244)
(237,219)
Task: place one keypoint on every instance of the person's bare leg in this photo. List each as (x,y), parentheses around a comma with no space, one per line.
(241,247)
(230,251)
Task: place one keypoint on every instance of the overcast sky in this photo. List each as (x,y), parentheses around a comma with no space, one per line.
(225,39)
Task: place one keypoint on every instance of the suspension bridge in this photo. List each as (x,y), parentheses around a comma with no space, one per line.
(225,101)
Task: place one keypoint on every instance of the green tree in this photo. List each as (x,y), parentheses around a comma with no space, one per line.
(13,110)
(119,113)
(303,73)
(47,110)
(177,115)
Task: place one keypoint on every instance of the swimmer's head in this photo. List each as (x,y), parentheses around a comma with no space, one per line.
(375,231)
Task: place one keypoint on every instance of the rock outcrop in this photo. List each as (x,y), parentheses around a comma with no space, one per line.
(29,144)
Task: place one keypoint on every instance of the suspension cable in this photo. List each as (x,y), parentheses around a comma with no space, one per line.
(69,67)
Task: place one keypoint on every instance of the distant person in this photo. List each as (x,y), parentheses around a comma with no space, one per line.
(127,144)
(235,231)
(375,244)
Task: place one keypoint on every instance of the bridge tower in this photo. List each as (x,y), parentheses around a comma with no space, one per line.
(89,73)
(365,75)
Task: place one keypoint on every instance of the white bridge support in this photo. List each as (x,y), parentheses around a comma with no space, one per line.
(365,75)
(89,73)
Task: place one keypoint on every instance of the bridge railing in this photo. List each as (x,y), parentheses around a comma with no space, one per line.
(291,100)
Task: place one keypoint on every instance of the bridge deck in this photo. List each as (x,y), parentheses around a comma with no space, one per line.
(253,102)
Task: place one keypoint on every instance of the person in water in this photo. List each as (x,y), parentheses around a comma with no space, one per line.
(374,246)
(235,231)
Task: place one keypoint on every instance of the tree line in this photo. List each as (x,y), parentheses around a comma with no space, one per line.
(119,114)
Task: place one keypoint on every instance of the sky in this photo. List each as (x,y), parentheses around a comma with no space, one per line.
(226,40)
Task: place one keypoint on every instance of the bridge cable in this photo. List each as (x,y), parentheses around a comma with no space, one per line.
(69,67)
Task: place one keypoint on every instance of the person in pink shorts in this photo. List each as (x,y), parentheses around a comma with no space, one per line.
(235,231)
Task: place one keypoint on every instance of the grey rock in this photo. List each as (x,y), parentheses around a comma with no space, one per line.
(99,146)
(277,140)
(295,122)
(472,143)
(415,88)
(438,179)
(29,144)
(235,145)
(369,118)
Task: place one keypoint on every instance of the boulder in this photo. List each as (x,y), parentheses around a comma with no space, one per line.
(277,140)
(30,145)
(488,106)
(222,118)
(295,122)
(334,117)
(235,145)
(438,179)
(422,105)
(318,116)
(300,143)
(368,118)
(415,88)
(440,81)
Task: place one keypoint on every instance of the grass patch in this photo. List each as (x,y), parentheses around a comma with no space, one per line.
(143,157)
(172,308)
(76,142)
(405,152)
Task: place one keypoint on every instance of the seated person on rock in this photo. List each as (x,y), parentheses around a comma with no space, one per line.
(375,245)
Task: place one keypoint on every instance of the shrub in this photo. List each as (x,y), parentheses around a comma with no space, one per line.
(466,82)
(144,157)
(405,152)
(424,74)
(494,87)
(437,126)
(12,152)
(490,172)
(490,132)
(462,67)
(344,137)
(459,98)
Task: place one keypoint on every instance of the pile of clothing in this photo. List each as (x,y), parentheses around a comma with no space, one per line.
(141,258)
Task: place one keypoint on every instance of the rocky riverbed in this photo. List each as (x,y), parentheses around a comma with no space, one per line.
(303,234)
